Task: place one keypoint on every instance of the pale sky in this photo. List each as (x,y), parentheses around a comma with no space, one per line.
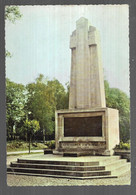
(39,42)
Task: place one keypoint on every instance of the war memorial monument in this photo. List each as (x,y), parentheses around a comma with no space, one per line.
(88,127)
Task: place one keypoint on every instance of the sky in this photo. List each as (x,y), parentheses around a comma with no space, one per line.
(39,42)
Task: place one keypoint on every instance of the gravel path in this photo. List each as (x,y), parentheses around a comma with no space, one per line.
(18,180)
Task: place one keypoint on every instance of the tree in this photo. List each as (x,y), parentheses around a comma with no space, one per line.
(30,128)
(15,102)
(44,97)
(117,99)
(60,94)
(12,14)
(41,104)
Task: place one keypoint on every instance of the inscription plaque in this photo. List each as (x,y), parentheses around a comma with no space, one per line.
(83,126)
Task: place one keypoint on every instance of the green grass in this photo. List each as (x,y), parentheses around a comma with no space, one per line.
(18,145)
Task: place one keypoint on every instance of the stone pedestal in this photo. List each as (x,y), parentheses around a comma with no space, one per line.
(90,132)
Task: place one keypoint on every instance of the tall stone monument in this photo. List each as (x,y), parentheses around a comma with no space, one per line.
(87,86)
(88,127)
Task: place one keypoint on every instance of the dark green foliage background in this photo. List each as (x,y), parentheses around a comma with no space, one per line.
(39,100)
(115,98)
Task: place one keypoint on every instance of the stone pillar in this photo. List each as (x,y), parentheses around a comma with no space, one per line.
(86,84)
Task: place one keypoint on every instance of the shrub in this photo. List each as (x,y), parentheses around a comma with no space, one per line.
(34,144)
(51,144)
(123,146)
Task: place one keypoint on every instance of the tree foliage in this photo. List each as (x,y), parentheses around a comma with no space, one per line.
(8,54)
(31,126)
(15,102)
(42,97)
(12,13)
(117,99)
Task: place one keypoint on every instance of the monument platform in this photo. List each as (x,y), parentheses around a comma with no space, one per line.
(88,167)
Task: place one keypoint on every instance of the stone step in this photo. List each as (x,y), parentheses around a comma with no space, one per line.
(121,169)
(115,164)
(59,172)
(65,161)
(74,163)
(109,160)
(74,154)
(78,168)
(58,167)
(64,176)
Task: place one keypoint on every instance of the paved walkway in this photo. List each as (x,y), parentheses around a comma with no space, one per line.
(20,180)
(22,152)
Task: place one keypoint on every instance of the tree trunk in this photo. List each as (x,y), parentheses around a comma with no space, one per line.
(43,135)
(11,133)
(29,143)
(26,137)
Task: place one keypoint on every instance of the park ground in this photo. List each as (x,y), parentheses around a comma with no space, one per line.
(20,180)
(20,145)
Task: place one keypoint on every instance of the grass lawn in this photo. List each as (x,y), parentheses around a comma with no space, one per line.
(19,145)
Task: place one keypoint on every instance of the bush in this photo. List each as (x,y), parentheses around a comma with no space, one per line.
(13,145)
(18,144)
(34,144)
(51,144)
(123,146)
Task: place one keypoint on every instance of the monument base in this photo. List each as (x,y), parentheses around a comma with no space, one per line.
(87,132)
